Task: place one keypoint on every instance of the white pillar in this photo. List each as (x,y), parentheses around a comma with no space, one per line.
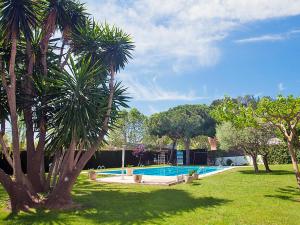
(123,160)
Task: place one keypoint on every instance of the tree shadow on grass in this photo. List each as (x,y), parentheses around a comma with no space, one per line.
(36,217)
(262,172)
(119,207)
(288,193)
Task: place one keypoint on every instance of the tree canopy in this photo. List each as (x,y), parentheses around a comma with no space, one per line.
(265,115)
(130,129)
(183,122)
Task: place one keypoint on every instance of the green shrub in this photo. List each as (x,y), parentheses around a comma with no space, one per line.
(229,162)
(192,172)
(279,155)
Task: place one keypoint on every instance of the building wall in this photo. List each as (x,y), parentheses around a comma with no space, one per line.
(238,160)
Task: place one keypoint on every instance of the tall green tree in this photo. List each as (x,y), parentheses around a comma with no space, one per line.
(284,114)
(160,125)
(183,122)
(67,105)
(130,129)
(192,121)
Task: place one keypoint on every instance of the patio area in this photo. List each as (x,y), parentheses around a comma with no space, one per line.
(154,180)
(146,180)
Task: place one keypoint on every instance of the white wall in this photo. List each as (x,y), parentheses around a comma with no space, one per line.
(238,160)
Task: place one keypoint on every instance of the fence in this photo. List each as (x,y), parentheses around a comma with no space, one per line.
(113,159)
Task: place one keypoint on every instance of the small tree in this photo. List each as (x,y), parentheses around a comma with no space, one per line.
(241,113)
(130,129)
(245,139)
(284,114)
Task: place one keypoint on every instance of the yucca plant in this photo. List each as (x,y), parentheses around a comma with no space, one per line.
(66,101)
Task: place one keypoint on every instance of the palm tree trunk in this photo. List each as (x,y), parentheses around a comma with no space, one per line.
(11,95)
(19,195)
(60,197)
(48,31)
(19,190)
(33,164)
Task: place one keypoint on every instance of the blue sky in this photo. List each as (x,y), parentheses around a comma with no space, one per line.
(190,52)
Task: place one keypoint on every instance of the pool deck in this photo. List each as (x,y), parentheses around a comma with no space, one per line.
(154,180)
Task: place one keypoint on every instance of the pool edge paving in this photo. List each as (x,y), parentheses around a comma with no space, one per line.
(155,180)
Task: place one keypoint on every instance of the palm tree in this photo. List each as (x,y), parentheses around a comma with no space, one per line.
(62,14)
(112,47)
(71,108)
(17,17)
(79,110)
(108,44)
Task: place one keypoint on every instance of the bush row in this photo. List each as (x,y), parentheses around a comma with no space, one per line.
(279,155)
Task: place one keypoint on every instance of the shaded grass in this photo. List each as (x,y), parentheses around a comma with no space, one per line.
(234,197)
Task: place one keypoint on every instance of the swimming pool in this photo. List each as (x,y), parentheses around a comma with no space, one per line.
(168,170)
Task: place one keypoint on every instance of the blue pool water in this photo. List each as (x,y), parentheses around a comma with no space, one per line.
(168,170)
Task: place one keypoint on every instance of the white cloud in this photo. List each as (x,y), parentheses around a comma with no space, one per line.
(176,36)
(269,37)
(150,91)
(281,87)
(181,34)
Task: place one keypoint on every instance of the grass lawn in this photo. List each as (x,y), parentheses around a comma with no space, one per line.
(234,197)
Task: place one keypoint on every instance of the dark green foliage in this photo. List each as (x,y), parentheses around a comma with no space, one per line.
(78,99)
(69,13)
(185,121)
(108,44)
(18,17)
(279,155)
(130,129)
(229,162)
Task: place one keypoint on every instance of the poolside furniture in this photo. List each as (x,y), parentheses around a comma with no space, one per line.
(92,175)
(129,171)
(196,176)
(137,178)
(188,179)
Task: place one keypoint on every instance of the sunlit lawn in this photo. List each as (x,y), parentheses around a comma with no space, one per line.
(233,197)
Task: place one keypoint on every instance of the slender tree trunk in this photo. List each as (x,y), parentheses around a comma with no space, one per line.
(3,144)
(62,48)
(60,197)
(294,162)
(187,151)
(172,152)
(33,162)
(266,163)
(11,95)
(38,158)
(254,161)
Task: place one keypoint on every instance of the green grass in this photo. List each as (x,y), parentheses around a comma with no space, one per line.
(234,197)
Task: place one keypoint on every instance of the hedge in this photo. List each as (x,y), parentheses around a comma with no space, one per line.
(279,155)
